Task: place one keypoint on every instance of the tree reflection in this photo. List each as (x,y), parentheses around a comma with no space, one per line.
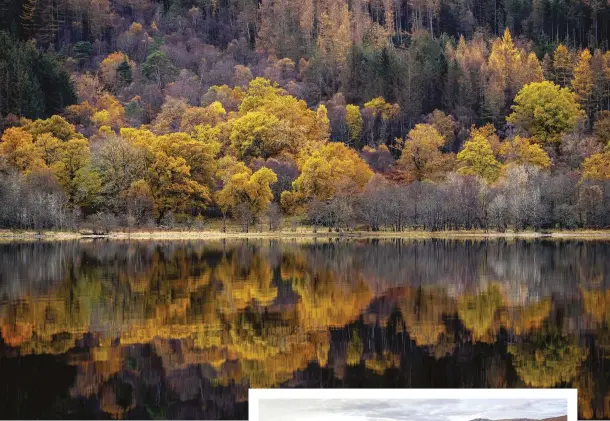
(182,329)
(547,358)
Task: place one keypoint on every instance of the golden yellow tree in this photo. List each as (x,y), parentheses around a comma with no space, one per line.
(597,166)
(421,156)
(259,134)
(477,158)
(18,150)
(508,70)
(353,119)
(544,111)
(172,187)
(327,170)
(583,82)
(241,187)
(522,151)
(562,66)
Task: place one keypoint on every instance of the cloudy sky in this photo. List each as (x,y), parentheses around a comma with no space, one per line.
(408,409)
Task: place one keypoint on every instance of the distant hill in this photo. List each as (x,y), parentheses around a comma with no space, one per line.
(562,418)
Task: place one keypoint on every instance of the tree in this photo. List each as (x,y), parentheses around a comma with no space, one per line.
(383,109)
(520,191)
(245,193)
(19,151)
(354,349)
(582,82)
(169,119)
(444,124)
(508,69)
(522,151)
(139,202)
(544,111)
(379,114)
(72,170)
(466,73)
(323,122)
(421,157)
(590,203)
(111,113)
(181,170)
(601,128)
(488,131)
(597,166)
(562,66)
(334,37)
(49,147)
(172,187)
(379,159)
(87,186)
(134,41)
(33,84)
(259,191)
(259,134)
(477,158)
(353,119)
(115,70)
(274,216)
(299,125)
(159,69)
(202,116)
(55,125)
(100,17)
(124,72)
(52,144)
(83,51)
(328,170)
(371,203)
(120,164)
(199,154)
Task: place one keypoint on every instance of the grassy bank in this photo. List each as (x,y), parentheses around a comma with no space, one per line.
(289,233)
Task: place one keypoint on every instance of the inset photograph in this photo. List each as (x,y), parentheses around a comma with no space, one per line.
(412,405)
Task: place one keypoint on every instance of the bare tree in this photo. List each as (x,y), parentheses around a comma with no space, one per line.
(590,200)
(243,213)
(371,205)
(316,213)
(274,216)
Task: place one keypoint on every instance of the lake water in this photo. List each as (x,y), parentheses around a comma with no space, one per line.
(182,329)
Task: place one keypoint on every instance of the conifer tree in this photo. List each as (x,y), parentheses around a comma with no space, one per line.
(562,66)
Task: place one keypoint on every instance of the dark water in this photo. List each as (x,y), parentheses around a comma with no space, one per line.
(109,329)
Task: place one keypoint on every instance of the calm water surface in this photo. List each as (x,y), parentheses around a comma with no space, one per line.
(143,329)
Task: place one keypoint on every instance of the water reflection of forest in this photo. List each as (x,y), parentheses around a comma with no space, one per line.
(182,329)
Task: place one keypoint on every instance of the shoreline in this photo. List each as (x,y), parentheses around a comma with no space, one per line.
(304,233)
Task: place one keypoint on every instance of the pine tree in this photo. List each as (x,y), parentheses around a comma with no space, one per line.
(83,51)
(123,72)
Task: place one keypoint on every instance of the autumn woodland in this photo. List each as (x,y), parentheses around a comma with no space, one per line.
(373,115)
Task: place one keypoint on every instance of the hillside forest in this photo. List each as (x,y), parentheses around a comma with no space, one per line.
(369,114)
